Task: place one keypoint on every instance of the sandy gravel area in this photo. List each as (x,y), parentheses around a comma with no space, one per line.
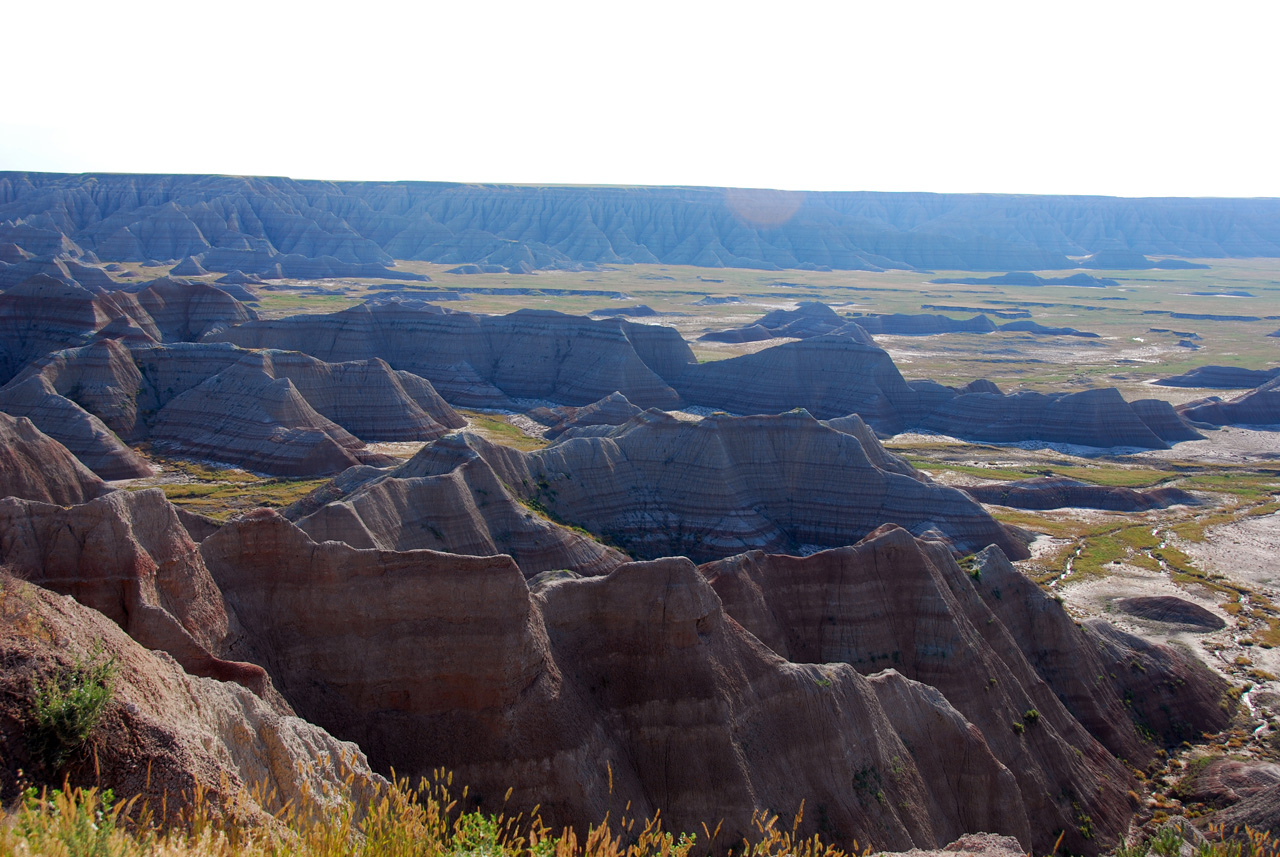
(1247,550)
(1227,445)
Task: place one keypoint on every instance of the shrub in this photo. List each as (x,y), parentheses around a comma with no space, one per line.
(68,705)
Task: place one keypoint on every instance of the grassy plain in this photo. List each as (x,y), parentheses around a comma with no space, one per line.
(1139,340)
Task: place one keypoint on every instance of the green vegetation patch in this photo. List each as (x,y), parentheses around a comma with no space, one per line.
(495,428)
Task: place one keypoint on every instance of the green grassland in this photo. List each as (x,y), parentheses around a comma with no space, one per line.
(1127,354)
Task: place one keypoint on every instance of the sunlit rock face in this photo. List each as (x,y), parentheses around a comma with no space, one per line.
(447,498)
(484,361)
(34,466)
(658,486)
(127,556)
(629,687)
(276,412)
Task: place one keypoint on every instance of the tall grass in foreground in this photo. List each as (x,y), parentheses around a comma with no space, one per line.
(405,822)
(401,821)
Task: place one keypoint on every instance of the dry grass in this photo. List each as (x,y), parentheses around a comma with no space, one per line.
(401,821)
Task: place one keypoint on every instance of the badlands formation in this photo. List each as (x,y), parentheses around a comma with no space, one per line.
(596,561)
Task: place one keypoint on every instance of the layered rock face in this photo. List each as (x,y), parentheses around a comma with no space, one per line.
(1100,418)
(1050,492)
(1146,689)
(658,486)
(446,498)
(165,734)
(589,694)
(809,319)
(1171,610)
(613,410)
(184,312)
(1260,407)
(829,376)
(896,602)
(42,315)
(244,416)
(34,466)
(276,412)
(127,556)
(923,324)
(241,221)
(84,435)
(482,361)
(1221,377)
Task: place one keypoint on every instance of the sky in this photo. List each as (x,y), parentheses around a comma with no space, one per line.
(1121,98)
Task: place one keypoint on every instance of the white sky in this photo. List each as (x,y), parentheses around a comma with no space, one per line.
(1123,98)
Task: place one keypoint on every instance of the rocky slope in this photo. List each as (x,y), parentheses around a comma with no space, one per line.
(127,556)
(902,604)
(630,679)
(894,716)
(42,315)
(613,410)
(1050,492)
(1259,407)
(829,376)
(447,498)
(165,733)
(84,435)
(1099,418)
(276,412)
(1222,377)
(243,222)
(658,486)
(482,361)
(34,466)
(810,318)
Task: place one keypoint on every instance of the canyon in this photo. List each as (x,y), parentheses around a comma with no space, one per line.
(333,514)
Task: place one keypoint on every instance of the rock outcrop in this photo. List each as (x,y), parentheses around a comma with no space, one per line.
(1003,653)
(1172,611)
(34,466)
(829,376)
(42,315)
(612,410)
(658,486)
(923,324)
(165,735)
(127,556)
(1259,407)
(245,416)
(589,694)
(230,405)
(1099,418)
(446,498)
(892,602)
(1147,693)
(1221,377)
(1055,492)
(323,228)
(1042,330)
(84,435)
(482,361)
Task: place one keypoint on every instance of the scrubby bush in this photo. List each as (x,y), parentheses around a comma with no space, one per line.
(67,706)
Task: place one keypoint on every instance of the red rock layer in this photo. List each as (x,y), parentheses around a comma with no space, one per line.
(34,466)
(895,602)
(127,556)
(637,679)
(165,733)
